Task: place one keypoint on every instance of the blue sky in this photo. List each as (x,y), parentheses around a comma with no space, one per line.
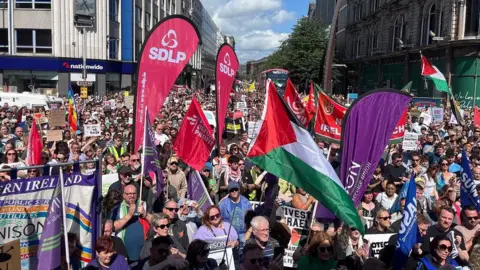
(258,26)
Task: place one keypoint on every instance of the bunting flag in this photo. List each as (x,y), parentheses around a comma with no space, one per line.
(468,191)
(285,149)
(407,236)
(72,110)
(194,140)
(476,117)
(152,163)
(198,192)
(431,72)
(35,146)
(49,251)
(251,88)
(293,100)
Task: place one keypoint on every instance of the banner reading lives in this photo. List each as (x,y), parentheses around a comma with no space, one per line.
(367,128)
(227,66)
(23,209)
(195,138)
(167,50)
(299,223)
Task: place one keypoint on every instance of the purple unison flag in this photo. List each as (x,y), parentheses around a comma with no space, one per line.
(49,251)
(366,131)
(152,163)
(198,192)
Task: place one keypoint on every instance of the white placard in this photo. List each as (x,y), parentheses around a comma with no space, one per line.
(410,141)
(427,118)
(107,181)
(92,130)
(241,105)
(437,114)
(378,242)
(252,128)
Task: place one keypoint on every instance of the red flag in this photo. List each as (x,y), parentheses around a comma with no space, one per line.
(330,114)
(295,103)
(476,117)
(311,103)
(227,66)
(195,140)
(35,146)
(165,52)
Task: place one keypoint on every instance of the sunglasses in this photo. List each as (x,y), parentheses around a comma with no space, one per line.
(135,160)
(241,164)
(32,171)
(214,217)
(445,247)
(162,226)
(444,164)
(11,154)
(233,190)
(325,249)
(385,218)
(174,164)
(205,253)
(256,261)
(472,218)
(172,209)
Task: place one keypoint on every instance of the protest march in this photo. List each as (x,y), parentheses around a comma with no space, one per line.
(253,175)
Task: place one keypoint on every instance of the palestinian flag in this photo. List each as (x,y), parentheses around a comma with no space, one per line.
(283,148)
(432,72)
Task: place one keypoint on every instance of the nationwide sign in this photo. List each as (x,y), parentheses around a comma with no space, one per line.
(68,65)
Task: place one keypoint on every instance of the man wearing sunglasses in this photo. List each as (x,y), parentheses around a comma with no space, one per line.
(177,228)
(233,208)
(470,229)
(176,177)
(382,222)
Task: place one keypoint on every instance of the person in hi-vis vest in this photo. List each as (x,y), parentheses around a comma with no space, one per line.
(117,149)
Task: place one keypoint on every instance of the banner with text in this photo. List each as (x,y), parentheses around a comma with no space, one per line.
(23,210)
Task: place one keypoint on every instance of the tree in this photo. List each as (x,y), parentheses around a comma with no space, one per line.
(302,53)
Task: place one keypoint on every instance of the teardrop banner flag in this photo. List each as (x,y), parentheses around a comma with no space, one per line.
(166,51)
(227,66)
(368,126)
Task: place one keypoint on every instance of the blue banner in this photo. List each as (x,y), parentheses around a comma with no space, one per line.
(468,192)
(407,236)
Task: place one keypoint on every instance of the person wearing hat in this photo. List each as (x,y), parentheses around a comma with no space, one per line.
(176,177)
(233,208)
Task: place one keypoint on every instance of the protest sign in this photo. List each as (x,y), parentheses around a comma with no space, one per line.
(351,97)
(107,181)
(253,128)
(437,114)
(23,210)
(57,118)
(299,223)
(129,101)
(10,255)
(54,135)
(378,241)
(92,130)
(427,118)
(410,141)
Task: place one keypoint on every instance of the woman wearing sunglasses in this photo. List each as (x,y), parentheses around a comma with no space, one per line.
(160,223)
(319,254)
(214,226)
(441,248)
(197,256)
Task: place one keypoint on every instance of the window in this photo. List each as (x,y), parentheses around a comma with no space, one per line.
(430,24)
(138,15)
(174,11)
(472,18)
(147,21)
(373,42)
(33,41)
(3,40)
(35,4)
(113,48)
(373,5)
(155,21)
(3,3)
(168,7)
(114,10)
(398,33)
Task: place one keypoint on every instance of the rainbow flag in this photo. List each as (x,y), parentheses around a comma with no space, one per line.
(72,111)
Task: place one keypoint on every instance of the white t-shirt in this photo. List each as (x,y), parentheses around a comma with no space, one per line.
(384,201)
(160,139)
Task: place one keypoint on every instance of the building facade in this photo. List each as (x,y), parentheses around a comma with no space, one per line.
(42,50)
(324,11)
(383,40)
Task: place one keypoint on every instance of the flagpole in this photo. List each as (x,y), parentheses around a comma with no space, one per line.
(143,152)
(64,214)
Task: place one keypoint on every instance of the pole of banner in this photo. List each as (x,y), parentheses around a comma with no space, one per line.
(143,152)
(217,128)
(64,215)
(474,86)
(228,236)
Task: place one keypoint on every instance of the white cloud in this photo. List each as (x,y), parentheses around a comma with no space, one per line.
(250,22)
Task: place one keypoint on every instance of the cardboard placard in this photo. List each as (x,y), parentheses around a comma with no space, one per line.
(57,118)
(410,141)
(427,118)
(378,242)
(54,135)
(10,256)
(437,114)
(92,130)
(129,102)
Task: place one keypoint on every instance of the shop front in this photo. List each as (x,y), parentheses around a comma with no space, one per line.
(47,75)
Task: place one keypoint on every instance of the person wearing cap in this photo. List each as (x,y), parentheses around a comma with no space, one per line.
(124,179)
(176,177)
(233,208)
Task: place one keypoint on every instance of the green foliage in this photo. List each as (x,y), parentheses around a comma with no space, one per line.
(303,52)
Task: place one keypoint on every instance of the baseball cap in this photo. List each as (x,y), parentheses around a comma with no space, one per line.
(124,170)
(172,160)
(232,185)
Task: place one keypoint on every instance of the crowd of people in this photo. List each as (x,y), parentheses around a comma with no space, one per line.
(170,231)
